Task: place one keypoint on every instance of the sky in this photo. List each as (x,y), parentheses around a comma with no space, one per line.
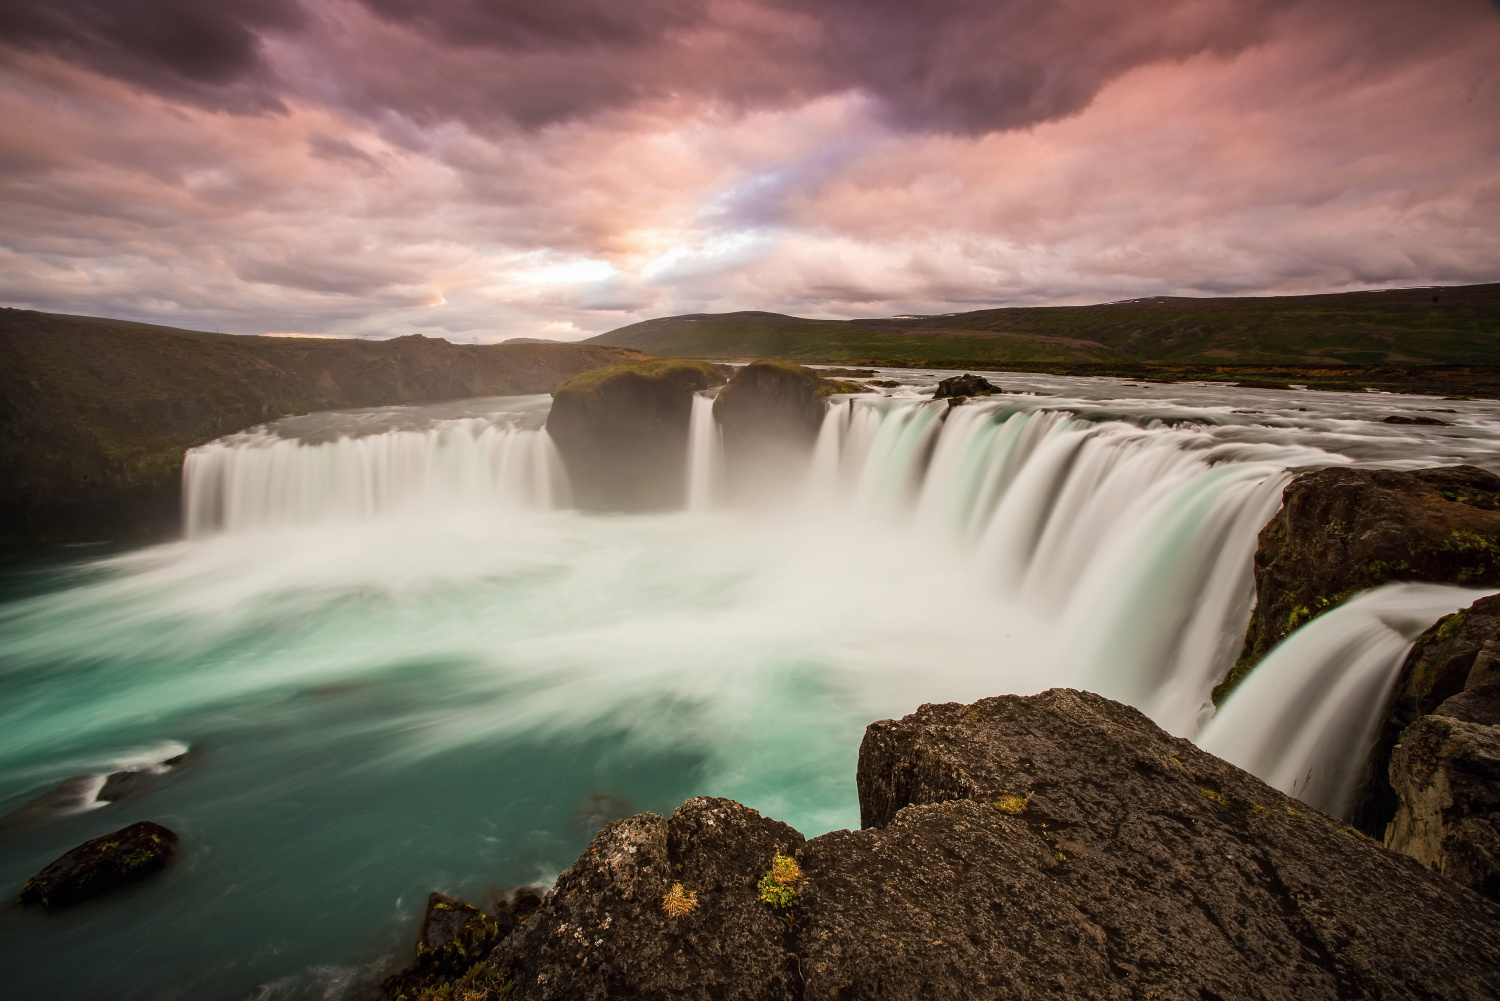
(485,169)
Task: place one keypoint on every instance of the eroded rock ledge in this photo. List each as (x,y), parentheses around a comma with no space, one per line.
(1056,846)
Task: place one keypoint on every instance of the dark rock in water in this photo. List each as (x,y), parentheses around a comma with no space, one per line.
(608,929)
(135,781)
(1432,421)
(70,796)
(105,863)
(1261,384)
(455,936)
(885,383)
(84,791)
(623,431)
(599,808)
(1457,654)
(770,413)
(964,385)
(1343,530)
(1446,772)
(1057,846)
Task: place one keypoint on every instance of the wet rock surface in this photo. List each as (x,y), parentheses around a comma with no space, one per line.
(106,863)
(80,792)
(964,385)
(1056,846)
(1408,419)
(1344,530)
(623,431)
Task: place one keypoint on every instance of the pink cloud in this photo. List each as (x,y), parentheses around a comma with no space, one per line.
(505,170)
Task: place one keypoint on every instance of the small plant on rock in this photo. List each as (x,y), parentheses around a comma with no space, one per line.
(1012,803)
(679,903)
(778,886)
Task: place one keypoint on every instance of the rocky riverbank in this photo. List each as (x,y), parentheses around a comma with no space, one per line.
(95,414)
(1059,845)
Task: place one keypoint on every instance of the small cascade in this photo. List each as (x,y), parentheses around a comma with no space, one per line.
(261,480)
(705,461)
(1305,718)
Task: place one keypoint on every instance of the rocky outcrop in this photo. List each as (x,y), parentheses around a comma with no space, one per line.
(1343,530)
(95,414)
(771,401)
(770,413)
(455,936)
(1458,654)
(1056,846)
(103,864)
(960,386)
(623,432)
(1446,773)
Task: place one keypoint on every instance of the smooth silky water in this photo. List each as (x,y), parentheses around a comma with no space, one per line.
(403,663)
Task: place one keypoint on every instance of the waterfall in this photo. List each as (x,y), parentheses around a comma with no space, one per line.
(705,462)
(1136,542)
(1306,717)
(1127,546)
(260,480)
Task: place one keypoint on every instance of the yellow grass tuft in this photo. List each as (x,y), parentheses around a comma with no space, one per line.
(679,903)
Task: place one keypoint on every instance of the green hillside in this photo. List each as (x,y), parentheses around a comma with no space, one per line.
(1456,325)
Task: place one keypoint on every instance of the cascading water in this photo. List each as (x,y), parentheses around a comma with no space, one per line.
(1305,718)
(705,462)
(406,661)
(259,479)
(1126,540)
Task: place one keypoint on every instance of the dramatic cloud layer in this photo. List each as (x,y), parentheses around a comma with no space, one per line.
(503,168)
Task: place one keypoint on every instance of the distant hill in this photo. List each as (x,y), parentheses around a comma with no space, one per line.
(1450,325)
(95,414)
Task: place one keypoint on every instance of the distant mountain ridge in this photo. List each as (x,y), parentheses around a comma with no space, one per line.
(1443,325)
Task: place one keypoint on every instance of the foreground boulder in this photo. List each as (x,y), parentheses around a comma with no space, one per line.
(1343,530)
(103,864)
(662,908)
(960,386)
(1057,846)
(623,432)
